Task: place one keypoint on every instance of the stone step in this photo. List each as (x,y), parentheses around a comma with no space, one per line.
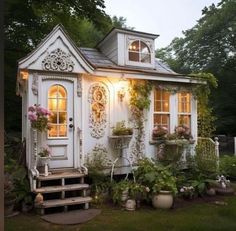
(64,202)
(61,175)
(69,187)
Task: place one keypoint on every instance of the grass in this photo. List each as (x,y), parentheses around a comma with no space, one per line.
(198,217)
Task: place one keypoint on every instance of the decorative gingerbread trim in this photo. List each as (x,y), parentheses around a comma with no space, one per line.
(58,60)
(98,104)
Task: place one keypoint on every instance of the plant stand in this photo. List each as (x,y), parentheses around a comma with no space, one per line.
(120,143)
(45,161)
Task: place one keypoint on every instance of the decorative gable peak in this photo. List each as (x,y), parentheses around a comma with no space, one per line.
(58,60)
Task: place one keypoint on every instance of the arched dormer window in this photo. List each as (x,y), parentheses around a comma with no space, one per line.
(139,52)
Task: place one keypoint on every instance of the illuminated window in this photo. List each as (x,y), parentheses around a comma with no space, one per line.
(57,104)
(139,52)
(184,109)
(161,108)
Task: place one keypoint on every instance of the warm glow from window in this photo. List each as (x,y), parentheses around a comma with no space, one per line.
(139,52)
(161,108)
(184,108)
(57,104)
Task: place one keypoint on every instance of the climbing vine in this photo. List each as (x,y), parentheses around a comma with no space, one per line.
(205,113)
(139,101)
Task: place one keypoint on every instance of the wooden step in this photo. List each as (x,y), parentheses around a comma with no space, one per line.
(61,175)
(64,202)
(69,187)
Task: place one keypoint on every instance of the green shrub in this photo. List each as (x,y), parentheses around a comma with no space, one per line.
(228,165)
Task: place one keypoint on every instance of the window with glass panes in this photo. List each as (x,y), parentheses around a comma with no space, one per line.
(139,52)
(184,109)
(161,114)
(57,104)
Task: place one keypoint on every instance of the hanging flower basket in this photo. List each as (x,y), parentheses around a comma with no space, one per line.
(38,117)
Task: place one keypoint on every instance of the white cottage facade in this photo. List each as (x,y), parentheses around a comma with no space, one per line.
(86,89)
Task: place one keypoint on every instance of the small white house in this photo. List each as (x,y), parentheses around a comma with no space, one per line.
(87,90)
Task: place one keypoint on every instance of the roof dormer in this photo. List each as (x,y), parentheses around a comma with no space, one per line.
(129,48)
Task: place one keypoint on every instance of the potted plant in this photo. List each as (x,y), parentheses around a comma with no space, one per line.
(120,192)
(183,132)
(121,129)
(164,189)
(159,132)
(159,180)
(128,193)
(44,157)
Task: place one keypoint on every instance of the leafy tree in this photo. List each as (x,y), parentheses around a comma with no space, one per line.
(28,22)
(120,23)
(210,46)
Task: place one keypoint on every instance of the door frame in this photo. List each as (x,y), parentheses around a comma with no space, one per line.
(76,105)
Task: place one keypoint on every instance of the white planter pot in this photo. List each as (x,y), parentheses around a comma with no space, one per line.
(43,160)
(124,195)
(130,205)
(163,200)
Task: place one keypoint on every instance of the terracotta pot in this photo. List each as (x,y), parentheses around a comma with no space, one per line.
(130,205)
(163,200)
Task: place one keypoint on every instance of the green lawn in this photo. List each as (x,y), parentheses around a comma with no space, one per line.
(202,217)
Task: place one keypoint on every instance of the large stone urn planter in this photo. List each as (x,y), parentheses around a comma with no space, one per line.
(163,200)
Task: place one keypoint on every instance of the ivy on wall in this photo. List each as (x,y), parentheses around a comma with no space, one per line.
(206,120)
(139,102)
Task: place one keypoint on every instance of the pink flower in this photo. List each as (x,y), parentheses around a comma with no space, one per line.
(31,108)
(32,116)
(42,111)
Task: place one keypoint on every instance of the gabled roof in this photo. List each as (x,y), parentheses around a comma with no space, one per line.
(115,30)
(58,31)
(99,60)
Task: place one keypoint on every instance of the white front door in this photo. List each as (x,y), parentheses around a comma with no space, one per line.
(58,98)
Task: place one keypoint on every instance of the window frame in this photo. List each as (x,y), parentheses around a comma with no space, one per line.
(149,43)
(162,112)
(57,124)
(188,114)
(173,113)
